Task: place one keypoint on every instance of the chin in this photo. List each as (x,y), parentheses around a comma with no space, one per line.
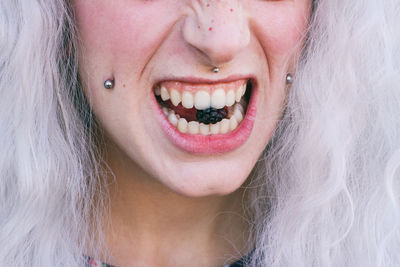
(207,178)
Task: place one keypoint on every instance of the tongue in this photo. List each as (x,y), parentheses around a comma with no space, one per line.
(188,114)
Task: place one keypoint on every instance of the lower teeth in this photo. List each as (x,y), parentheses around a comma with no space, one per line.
(235,116)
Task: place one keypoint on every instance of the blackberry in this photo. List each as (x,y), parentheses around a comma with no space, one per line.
(211,115)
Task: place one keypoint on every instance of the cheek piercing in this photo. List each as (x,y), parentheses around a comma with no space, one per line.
(109,84)
(215,69)
(289,78)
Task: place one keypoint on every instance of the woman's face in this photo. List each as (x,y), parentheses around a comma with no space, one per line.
(161,53)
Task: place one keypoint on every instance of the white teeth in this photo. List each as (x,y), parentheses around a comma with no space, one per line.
(165,111)
(218,99)
(238,115)
(187,100)
(225,126)
(239,106)
(172,118)
(202,100)
(175,97)
(214,128)
(194,127)
(157,91)
(164,94)
(230,98)
(239,92)
(204,129)
(182,125)
(233,123)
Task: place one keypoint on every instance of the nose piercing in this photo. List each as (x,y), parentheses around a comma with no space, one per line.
(215,69)
(289,78)
(109,84)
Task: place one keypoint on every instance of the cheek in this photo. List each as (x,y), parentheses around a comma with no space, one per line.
(280,29)
(120,33)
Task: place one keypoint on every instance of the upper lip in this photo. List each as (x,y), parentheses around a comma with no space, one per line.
(199,80)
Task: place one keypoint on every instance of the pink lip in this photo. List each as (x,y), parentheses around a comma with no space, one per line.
(202,80)
(211,144)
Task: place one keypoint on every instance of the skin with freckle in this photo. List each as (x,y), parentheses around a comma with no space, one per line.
(141,43)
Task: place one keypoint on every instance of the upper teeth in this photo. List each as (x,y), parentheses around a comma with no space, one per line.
(218,99)
(187,100)
(175,97)
(164,94)
(202,99)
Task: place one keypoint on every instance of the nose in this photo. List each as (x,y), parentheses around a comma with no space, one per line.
(218,29)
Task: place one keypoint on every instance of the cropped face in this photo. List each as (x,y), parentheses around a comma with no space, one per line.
(195,129)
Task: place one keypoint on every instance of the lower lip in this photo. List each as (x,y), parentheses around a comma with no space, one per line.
(211,144)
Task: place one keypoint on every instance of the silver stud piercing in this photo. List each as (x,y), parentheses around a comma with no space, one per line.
(289,78)
(215,69)
(109,84)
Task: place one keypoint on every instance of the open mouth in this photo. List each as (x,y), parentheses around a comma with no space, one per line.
(204,109)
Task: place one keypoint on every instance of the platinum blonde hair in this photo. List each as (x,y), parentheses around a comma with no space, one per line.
(49,173)
(328,191)
(324,193)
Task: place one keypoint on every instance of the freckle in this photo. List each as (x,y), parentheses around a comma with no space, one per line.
(123,85)
(210,29)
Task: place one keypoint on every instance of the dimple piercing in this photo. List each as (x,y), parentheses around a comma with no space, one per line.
(109,84)
(289,78)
